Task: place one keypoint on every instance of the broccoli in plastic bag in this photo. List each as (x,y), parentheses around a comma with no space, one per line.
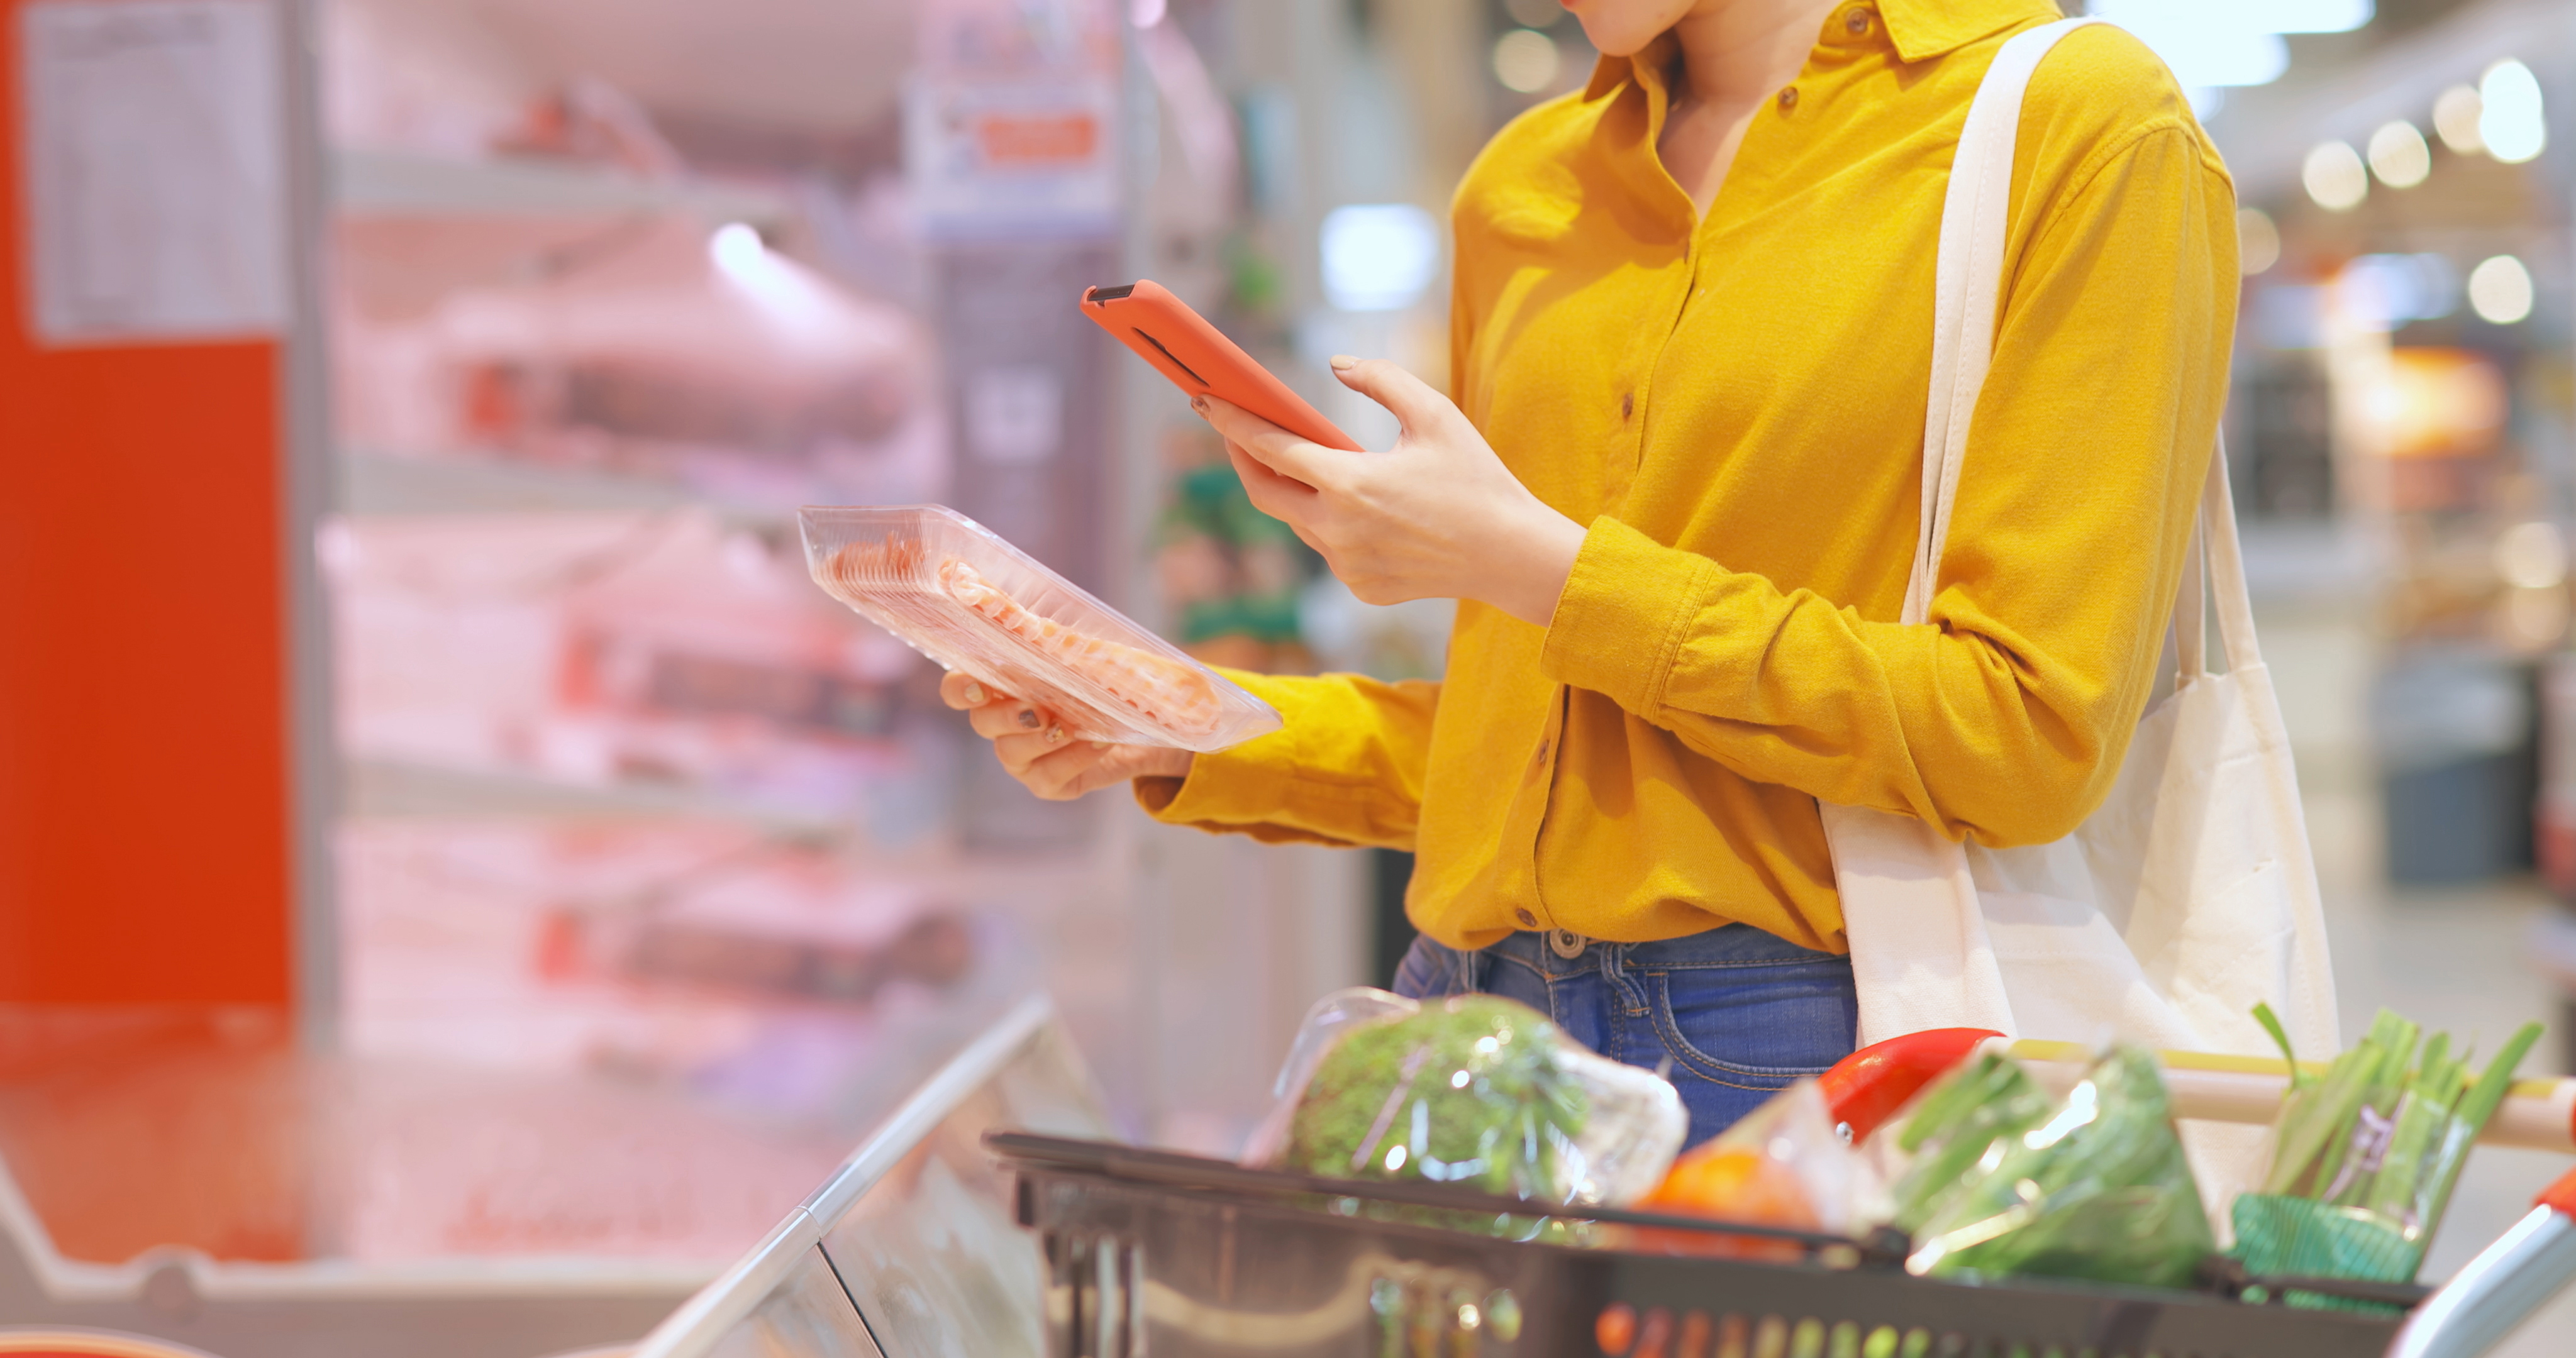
(2099,1190)
(1473,1090)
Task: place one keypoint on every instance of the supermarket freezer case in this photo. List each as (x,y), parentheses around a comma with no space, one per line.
(914,1245)
(920,1216)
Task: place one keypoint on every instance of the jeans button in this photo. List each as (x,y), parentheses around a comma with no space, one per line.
(1566,943)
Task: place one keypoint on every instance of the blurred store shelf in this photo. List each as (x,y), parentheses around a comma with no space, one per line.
(393,184)
(467,483)
(381,788)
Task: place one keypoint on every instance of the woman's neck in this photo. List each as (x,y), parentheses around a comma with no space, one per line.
(1737,53)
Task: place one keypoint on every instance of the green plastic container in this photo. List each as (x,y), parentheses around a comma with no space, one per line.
(2284,1236)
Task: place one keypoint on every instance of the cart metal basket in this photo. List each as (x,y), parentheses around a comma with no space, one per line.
(1151,1252)
(924,1245)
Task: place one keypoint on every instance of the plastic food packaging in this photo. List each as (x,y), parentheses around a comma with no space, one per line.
(2365,1157)
(982,607)
(1952,1125)
(2099,1190)
(1474,1090)
(1782,1165)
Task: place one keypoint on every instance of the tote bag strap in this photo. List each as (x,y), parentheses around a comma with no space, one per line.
(1967,281)
(1967,292)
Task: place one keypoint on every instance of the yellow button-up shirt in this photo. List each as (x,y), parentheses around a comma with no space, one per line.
(1735,403)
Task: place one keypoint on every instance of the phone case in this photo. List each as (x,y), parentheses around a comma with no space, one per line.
(956,592)
(1200,360)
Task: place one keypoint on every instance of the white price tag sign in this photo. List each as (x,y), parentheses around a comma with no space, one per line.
(155,170)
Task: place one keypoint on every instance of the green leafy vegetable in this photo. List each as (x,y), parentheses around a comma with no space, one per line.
(2099,1190)
(1958,1121)
(1469,1091)
(2365,1159)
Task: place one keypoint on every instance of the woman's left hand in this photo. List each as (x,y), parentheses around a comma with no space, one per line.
(1437,516)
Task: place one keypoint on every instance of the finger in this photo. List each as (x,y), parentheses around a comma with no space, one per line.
(1283,498)
(1064,774)
(1413,402)
(964,691)
(1274,447)
(1022,750)
(995,720)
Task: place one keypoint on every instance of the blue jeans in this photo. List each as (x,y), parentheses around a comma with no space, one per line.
(1737,1013)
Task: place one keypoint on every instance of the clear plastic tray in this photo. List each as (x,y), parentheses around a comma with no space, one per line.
(980,606)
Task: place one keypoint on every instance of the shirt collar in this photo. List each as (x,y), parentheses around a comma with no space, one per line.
(1918,29)
(1930,28)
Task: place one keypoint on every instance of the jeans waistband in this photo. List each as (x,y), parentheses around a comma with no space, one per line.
(1728,945)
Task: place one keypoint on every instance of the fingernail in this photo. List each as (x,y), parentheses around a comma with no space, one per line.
(1054,734)
(975,693)
(1344,362)
(1100,744)
(1027,718)
(1199,404)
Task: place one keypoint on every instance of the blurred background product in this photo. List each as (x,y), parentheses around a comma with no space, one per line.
(441,827)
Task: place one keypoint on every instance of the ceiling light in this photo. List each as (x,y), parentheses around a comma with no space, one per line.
(2500,290)
(2296,16)
(2258,242)
(2202,54)
(1525,61)
(2334,177)
(2531,556)
(2399,156)
(1379,256)
(2509,120)
(2455,116)
(735,247)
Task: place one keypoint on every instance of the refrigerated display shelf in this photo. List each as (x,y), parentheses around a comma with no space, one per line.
(396,788)
(395,184)
(379,483)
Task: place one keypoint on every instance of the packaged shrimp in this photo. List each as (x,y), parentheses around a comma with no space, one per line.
(982,607)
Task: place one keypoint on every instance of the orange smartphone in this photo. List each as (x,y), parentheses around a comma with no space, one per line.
(1200,360)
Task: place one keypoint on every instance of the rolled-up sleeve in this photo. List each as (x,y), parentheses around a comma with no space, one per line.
(1345,768)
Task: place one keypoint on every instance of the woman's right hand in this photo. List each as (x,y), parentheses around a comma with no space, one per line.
(1033,745)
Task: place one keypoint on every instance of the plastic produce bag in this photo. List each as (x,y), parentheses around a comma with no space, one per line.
(1474,1090)
(1952,1126)
(2099,1190)
(980,606)
(1782,1165)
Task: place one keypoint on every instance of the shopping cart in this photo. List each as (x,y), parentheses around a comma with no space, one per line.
(1185,1257)
(958,1227)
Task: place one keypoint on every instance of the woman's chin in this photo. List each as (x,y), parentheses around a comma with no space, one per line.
(1622,28)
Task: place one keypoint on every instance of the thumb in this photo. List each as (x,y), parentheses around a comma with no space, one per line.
(1407,397)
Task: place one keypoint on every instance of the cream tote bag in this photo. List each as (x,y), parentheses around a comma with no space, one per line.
(2189,895)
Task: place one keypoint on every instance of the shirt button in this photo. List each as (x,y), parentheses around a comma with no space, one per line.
(1856,22)
(1539,760)
(1528,920)
(1627,404)
(1788,98)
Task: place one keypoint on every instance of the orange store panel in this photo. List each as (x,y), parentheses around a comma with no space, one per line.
(144,805)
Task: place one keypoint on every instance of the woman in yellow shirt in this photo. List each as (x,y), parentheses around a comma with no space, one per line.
(1676,497)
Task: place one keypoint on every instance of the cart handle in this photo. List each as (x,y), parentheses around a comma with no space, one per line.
(2561,1196)
(2497,1291)
(1865,1088)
